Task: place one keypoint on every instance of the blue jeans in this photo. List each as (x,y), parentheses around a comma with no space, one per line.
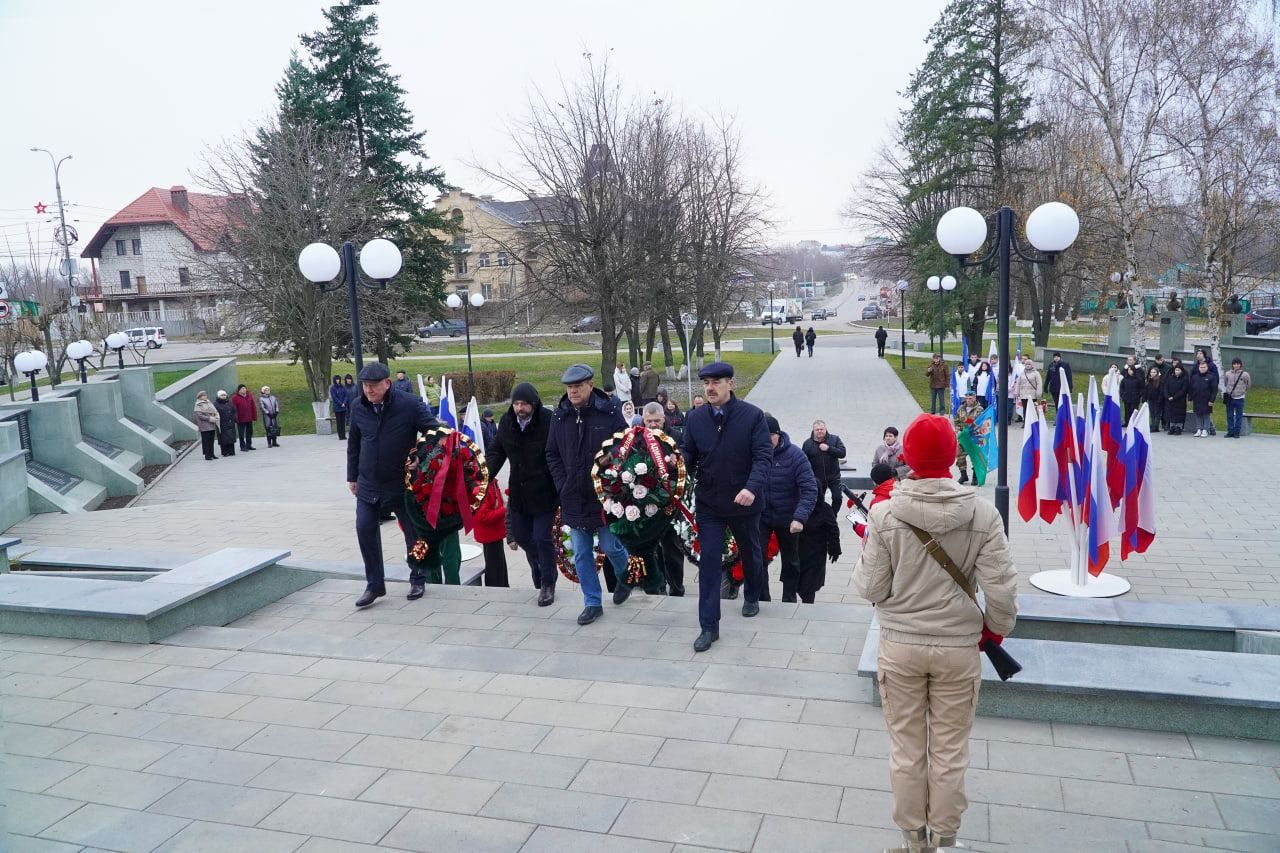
(939,401)
(584,559)
(1235,416)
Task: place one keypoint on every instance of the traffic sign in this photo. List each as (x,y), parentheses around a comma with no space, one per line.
(4,309)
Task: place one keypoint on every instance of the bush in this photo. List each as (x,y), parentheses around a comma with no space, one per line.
(492,386)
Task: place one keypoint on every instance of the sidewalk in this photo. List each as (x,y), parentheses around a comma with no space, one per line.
(473,720)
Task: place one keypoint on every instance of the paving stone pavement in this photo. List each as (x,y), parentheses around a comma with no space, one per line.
(472,720)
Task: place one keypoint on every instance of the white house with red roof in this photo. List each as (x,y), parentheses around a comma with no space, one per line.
(147,257)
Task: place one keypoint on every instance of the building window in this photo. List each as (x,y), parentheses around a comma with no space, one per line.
(124,275)
(120,249)
(184,275)
(137,247)
(486,291)
(460,264)
(484,260)
(502,259)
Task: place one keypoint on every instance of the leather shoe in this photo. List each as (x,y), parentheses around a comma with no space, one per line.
(369,597)
(416,591)
(621,593)
(547,596)
(590,614)
(750,608)
(704,641)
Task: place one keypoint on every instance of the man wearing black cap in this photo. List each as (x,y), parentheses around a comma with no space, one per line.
(584,420)
(728,451)
(402,384)
(532,497)
(384,428)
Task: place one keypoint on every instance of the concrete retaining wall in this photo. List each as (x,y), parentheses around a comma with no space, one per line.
(180,397)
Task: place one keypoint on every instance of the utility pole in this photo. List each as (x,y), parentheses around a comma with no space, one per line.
(63,236)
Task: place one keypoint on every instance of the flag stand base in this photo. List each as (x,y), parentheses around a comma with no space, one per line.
(1059,582)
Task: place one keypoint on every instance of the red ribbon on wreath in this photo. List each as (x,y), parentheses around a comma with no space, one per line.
(449,450)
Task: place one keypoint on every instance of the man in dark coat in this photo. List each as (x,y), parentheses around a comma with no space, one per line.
(338,401)
(881,338)
(532,498)
(797,338)
(825,450)
(728,452)
(585,418)
(384,428)
(649,382)
(403,384)
(488,430)
(1054,383)
(788,499)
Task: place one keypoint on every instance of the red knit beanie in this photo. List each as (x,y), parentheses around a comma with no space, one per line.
(929,446)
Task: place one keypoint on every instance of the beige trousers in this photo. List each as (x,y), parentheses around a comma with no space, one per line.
(929,694)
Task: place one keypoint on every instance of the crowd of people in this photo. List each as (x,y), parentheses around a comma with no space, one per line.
(227,420)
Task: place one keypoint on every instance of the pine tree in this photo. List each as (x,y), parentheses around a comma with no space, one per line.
(343,86)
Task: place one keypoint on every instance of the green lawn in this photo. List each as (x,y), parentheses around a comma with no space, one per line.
(1264,401)
(544,372)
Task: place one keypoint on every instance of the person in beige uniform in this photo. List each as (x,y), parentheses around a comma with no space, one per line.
(929,664)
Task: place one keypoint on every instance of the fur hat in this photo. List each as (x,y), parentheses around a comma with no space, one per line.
(929,446)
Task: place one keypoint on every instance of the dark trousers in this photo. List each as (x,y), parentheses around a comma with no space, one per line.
(228,448)
(837,496)
(810,346)
(1155,414)
(340,419)
(1129,409)
(799,348)
(245,431)
(938,401)
(495,563)
(746,530)
(1235,416)
(533,534)
(673,562)
(206,443)
(369,535)
(880,348)
(789,552)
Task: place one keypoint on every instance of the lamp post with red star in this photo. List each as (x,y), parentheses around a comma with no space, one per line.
(63,236)
(41,207)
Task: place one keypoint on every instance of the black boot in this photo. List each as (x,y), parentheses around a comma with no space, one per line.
(964,477)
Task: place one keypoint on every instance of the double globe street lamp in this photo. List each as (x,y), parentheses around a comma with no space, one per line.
(117,341)
(320,263)
(30,363)
(455,302)
(1051,228)
(79,352)
(943,285)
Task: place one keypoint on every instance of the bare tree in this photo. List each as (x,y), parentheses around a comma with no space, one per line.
(288,187)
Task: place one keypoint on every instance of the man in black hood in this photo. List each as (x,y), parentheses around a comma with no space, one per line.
(584,420)
(532,498)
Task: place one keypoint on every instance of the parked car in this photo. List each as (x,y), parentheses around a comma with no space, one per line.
(1260,320)
(1273,332)
(862,299)
(870,312)
(818,314)
(831,312)
(441,328)
(586,324)
(152,336)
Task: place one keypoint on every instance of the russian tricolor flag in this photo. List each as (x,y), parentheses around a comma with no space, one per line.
(448,408)
(1110,423)
(1029,472)
(1100,515)
(1066,451)
(1138,509)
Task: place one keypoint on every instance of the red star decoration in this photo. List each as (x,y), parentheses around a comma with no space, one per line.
(41,207)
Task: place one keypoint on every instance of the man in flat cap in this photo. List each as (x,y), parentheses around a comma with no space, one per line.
(728,451)
(585,418)
(384,427)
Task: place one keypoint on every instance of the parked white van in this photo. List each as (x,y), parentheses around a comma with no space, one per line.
(152,336)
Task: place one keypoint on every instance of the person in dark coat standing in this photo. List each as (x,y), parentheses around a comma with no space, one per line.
(246,414)
(728,452)
(649,382)
(585,418)
(1132,384)
(403,384)
(788,499)
(1202,357)
(338,402)
(1053,379)
(1176,386)
(819,541)
(384,428)
(488,429)
(532,497)
(810,338)
(1203,391)
(226,424)
(881,338)
(797,338)
(825,450)
(270,405)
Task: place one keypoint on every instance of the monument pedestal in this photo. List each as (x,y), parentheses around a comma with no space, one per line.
(1173,332)
(1119,330)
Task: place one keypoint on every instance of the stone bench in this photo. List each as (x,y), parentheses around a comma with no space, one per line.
(211,590)
(1247,427)
(1145,687)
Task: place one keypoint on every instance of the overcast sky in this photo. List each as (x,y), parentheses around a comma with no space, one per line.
(137,91)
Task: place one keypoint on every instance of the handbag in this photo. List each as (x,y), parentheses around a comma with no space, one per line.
(1226,395)
(1005,666)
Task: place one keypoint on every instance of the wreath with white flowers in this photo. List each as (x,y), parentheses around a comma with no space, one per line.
(639,477)
(564,555)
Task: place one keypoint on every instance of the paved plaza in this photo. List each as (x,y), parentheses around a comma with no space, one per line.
(472,720)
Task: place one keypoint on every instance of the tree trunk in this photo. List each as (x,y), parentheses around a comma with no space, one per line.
(666,349)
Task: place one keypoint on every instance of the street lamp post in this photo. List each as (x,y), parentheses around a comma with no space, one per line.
(942,285)
(80,351)
(455,302)
(1051,228)
(321,263)
(902,316)
(772,348)
(30,363)
(64,236)
(118,341)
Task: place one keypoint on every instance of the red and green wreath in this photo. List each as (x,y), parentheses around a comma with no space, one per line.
(564,556)
(445,482)
(639,477)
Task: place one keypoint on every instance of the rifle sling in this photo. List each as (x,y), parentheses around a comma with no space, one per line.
(936,551)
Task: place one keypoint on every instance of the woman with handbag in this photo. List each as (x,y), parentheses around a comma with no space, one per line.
(1235,384)
(929,670)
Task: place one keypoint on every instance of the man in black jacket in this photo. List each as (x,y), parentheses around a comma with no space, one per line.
(825,450)
(532,499)
(384,428)
(1054,383)
(882,337)
(729,453)
(584,420)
